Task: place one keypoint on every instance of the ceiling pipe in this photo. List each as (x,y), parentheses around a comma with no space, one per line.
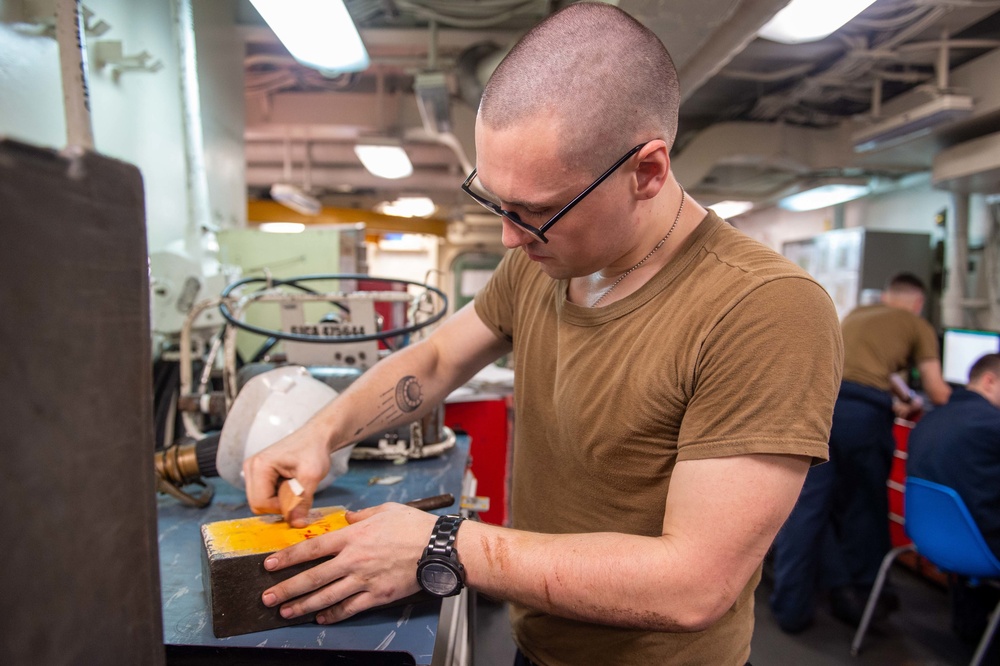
(943,64)
(356,178)
(287,161)
(768,77)
(876,108)
(447,139)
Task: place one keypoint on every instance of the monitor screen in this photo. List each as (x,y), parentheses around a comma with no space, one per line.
(962,348)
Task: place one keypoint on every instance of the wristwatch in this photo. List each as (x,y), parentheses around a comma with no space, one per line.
(439,571)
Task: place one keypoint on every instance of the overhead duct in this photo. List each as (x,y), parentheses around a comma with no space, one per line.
(796,151)
(433,101)
(473,69)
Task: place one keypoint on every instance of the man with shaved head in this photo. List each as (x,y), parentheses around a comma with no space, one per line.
(607,81)
(674,380)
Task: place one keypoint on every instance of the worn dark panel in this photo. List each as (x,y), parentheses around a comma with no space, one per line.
(233,587)
(80,577)
(233,573)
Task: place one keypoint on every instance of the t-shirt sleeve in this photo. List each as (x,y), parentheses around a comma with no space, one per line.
(926,347)
(767,376)
(494,303)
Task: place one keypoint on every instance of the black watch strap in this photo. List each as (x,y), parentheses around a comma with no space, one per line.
(443,536)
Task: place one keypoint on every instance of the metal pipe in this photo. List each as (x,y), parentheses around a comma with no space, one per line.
(73,63)
(287,161)
(191,427)
(199,212)
(991,265)
(953,312)
(943,65)
(432,46)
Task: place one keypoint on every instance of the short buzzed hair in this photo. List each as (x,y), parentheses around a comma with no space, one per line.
(906,282)
(987,363)
(608,79)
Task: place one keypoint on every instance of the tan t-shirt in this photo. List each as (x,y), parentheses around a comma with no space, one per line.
(730,349)
(880,340)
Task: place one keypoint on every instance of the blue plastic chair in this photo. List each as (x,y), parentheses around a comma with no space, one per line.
(943,531)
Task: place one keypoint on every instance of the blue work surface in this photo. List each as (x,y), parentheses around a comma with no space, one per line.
(411,629)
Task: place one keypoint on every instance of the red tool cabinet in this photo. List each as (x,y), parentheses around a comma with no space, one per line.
(897,497)
(486,420)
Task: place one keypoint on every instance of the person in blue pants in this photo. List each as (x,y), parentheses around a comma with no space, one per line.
(838,532)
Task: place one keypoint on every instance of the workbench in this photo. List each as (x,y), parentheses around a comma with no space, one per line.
(403,634)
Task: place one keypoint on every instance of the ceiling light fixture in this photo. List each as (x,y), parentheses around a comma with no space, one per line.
(384,159)
(318,33)
(282,227)
(811,20)
(918,121)
(824,196)
(296,198)
(408,207)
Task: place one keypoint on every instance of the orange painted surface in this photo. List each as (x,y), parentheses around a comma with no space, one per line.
(266,534)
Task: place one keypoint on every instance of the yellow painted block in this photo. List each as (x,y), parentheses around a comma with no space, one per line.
(233,554)
(266,534)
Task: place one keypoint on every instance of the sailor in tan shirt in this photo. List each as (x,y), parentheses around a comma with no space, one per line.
(660,359)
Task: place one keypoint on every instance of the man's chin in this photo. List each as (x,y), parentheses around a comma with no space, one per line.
(546,265)
(550,266)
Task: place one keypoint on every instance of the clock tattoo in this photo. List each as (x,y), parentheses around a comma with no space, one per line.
(408,396)
(405,397)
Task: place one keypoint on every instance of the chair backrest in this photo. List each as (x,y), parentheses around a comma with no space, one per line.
(944,532)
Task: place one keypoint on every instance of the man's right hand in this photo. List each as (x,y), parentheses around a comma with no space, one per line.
(907,410)
(302,455)
(448,358)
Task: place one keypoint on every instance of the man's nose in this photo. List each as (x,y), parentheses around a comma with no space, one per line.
(513,236)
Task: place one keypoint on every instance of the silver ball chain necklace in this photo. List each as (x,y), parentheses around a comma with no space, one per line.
(643,260)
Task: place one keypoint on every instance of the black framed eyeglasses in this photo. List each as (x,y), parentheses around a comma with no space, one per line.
(538,233)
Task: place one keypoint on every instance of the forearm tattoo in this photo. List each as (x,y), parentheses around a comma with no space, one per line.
(405,397)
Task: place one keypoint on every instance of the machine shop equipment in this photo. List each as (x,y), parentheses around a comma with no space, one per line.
(327,339)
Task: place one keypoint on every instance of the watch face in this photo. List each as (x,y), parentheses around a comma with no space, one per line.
(438,578)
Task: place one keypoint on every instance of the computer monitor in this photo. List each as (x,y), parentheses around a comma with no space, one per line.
(963,347)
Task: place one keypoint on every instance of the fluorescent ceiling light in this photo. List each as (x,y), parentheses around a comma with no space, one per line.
(384,161)
(296,198)
(318,33)
(282,227)
(810,20)
(408,207)
(727,209)
(824,196)
(916,122)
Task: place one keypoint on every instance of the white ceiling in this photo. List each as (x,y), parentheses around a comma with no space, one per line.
(758,119)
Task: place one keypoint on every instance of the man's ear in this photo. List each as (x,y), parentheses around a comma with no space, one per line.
(990,379)
(653,169)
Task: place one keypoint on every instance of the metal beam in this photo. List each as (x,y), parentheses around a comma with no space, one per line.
(271,211)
